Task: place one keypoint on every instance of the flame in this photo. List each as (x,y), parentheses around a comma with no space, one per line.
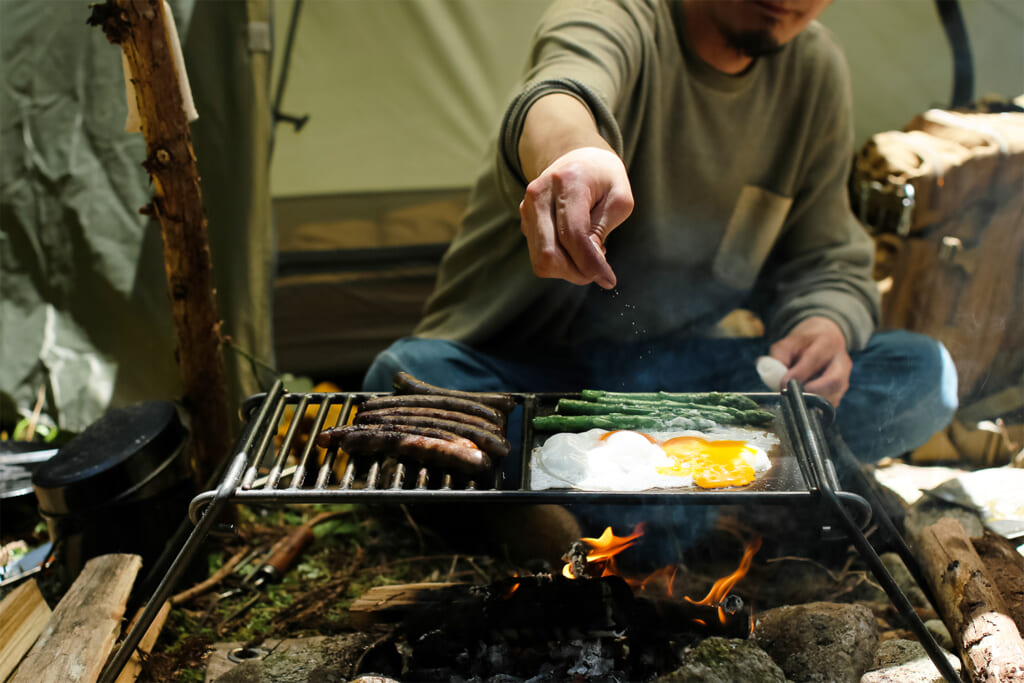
(609,545)
(721,588)
(666,574)
(606,547)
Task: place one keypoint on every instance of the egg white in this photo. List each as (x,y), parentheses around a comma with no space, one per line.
(626,460)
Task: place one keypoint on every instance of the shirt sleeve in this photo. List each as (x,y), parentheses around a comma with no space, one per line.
(591,51)
(823,262)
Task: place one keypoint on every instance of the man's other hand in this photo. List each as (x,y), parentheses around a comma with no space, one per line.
(815,352)
(568,212)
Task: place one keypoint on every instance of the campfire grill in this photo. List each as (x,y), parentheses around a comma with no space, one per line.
(276,461)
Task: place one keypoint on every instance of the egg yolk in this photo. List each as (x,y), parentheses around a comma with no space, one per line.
(605,436)
(713,464)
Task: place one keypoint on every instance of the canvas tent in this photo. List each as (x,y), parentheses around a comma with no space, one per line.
(324,252)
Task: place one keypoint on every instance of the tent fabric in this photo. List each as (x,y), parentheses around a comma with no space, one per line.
(84,313)
(227,56)
(347,288)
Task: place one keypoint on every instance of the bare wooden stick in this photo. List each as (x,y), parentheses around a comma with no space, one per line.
(141,29)
(84,626)
(213,580)
(971,606)
(384,604)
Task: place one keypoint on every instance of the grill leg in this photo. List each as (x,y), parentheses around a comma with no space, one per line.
(816,456)
(892,589)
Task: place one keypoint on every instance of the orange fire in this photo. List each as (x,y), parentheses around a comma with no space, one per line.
(604,549)
(513,588)
(721,588)
(667,575)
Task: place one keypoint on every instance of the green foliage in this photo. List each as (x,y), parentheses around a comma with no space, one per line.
(389,550)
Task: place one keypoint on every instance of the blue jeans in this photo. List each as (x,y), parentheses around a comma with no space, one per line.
(903,386)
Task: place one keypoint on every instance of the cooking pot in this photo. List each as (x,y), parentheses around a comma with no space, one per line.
(122,485)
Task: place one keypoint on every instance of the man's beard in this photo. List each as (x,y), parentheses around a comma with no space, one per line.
(753,43)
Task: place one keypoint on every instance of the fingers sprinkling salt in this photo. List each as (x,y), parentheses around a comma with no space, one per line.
(771,372)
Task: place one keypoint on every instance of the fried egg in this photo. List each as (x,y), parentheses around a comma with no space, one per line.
(624,460)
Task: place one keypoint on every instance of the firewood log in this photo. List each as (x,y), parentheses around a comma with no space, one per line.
(970,604)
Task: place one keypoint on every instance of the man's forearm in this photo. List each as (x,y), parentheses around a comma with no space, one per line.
(555,124)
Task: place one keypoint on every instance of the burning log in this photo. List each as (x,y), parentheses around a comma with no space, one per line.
(538,607)
(731,617)
(718,613)
(593,557)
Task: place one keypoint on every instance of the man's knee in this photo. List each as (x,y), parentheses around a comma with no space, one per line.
(401,356)
(905,386)
(436,361)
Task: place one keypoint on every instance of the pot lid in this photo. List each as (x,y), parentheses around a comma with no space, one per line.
(111,458)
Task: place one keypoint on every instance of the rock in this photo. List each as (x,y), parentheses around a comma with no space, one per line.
(819,642)
(301,660)
(904,579)
(927,511)
(940,633)
(725,660)
(905,661)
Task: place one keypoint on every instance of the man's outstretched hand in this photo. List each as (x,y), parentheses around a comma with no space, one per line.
(815,352)
(568,212)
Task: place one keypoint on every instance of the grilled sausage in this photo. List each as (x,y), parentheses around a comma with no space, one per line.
(333,435)
(404,383)
(459,455)
(434,413)
(486,440)
(462,405)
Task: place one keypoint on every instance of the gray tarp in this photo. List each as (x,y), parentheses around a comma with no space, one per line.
(83,304)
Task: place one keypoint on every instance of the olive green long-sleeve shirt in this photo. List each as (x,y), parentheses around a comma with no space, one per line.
(739,185)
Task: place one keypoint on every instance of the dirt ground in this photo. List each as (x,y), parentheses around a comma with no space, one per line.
(356,548)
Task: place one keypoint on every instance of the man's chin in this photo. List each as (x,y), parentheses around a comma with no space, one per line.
(760,43)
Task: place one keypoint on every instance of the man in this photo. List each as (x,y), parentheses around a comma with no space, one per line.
(662,164)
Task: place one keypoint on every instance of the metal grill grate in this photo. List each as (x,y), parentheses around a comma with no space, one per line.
(282,463)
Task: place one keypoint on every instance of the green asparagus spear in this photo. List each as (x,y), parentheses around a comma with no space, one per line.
(715,398)
(612,421)
(720,414)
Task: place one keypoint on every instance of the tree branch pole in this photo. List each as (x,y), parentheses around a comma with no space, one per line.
(140,27)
